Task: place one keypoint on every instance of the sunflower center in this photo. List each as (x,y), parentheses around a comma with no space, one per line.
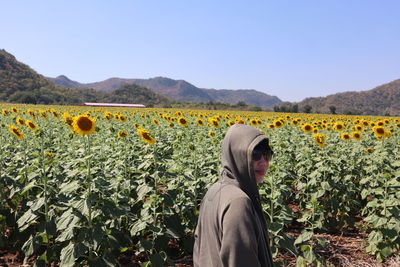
(380,131)
(146,136)
(16,132)
(85,124)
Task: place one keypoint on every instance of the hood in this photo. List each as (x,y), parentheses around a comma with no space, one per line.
(237,147)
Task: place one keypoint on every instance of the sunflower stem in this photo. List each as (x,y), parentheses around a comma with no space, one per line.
(155,184)
(89,184)
(44,177)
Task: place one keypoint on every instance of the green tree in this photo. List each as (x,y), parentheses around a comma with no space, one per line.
(307,109)
(332,109)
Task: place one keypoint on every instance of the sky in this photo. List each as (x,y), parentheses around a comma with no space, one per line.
(290,49)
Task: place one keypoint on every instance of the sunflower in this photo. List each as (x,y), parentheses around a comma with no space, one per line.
(68,119)
(146,136)
(171,124)
(365,123)
(31,113)
(338,126)
(15,131)
(239,120)
(230,123)
(122,134)
(182,121)
(49,156)
(308,128)
(358,127)
(108,115)
(379,131)
(345,136)
(319,139)
(214,123)
(388,133)
(155,122)
(31,125)
(211,133)
(14,109)
(199,122)
(253,122)
(369,150)
(43,113)
(356,135)
(20,121)
(271,126)
(5,112)
(278,123)
(122,118)
(84,125)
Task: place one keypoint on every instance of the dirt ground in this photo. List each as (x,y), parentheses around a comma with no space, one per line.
(348,250)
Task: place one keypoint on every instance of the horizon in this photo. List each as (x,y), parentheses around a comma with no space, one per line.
(289,50)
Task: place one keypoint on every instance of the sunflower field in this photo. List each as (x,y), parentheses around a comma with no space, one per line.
(86,186)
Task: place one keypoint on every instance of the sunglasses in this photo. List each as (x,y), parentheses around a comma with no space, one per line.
(257,154)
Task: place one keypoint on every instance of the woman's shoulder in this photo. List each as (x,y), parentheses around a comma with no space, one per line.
(232,193)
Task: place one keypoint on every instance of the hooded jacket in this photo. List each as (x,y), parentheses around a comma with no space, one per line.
(231,229)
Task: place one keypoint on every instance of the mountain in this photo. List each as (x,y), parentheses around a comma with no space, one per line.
(17,78)
(65,82)
(381,100)
(253,97)
(179,90)
(21,84)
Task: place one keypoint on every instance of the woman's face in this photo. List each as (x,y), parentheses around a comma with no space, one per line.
(260,166)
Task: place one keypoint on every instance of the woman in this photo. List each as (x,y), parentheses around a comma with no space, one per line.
(231,229)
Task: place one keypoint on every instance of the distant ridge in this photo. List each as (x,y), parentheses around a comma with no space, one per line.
(179,90)
(381,100)
(21,84)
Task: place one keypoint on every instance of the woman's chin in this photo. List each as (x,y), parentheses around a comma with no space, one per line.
(259,178)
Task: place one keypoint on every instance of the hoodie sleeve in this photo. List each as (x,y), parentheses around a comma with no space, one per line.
(239,244)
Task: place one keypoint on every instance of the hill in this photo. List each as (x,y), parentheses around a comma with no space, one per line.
(179,90)
(21,84)
(253,97)
(382,100)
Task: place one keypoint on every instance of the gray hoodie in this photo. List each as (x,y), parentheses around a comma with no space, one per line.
(231,229)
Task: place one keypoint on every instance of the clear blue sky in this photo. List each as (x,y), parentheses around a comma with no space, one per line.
(291,49)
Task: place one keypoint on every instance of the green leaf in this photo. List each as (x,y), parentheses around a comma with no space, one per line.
(307,235)
(37,204)
(31,245)
(310,255)
(146,244)
(301,262)
(138,227)
(69,187)
(97,235)
(375,237)
(386,251)
(142,190)
(29,186)
(156,260)
(25,219)
(175,226)
(70,253)
(275,228)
